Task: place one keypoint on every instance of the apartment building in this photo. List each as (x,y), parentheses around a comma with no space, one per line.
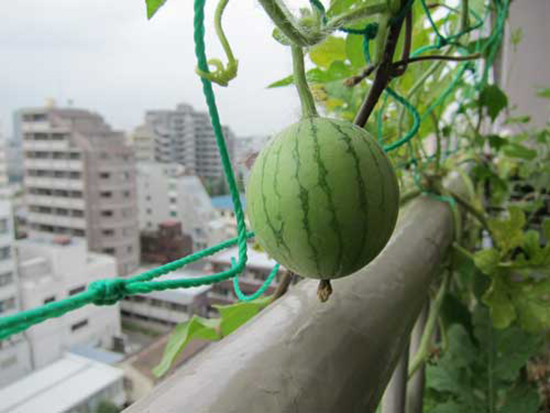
(167,192)
(258,268)
(163,310)
(54,270)
(79,180)
(183,136)
(15,361)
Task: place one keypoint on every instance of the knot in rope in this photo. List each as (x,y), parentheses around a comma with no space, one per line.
(371,30)
(108,292)
(441,42)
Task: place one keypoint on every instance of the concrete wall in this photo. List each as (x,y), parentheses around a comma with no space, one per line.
(527,66)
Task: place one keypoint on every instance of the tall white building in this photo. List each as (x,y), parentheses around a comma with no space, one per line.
(15,361)
(80,181)
(54,270)
(167,193)
(183,136)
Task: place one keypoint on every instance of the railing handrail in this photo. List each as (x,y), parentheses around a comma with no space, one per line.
(300,355)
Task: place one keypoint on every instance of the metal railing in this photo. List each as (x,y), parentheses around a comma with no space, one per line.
(300,355)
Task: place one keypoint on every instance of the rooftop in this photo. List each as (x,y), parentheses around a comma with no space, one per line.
(225,202)
(58,387)
(181,295)
(256,259)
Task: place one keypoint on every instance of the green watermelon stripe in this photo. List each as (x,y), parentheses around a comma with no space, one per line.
(323,184)
(363,202)
(277,233)
(304,200)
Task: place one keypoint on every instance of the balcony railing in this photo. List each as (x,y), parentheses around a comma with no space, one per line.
(300,355)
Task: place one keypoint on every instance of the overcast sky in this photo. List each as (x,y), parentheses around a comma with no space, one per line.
(105,56)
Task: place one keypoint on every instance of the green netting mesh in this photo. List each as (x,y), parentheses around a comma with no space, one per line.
(110,291)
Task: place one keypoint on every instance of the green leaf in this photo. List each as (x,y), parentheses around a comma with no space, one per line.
(279,36)
(514,348)
(153,6)
(487,260)
(516,36)
(235,315)
(339,6)
(544,93)
(354,50)
(532,300)
(289,80)
(523,398)
(331,50)
(508,232)
(496,141)
(518,119)
(494,99)
(498,299)
(196,327)
(515,150)
(450,406)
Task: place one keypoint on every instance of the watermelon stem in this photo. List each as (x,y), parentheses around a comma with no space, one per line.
(306,98)
(324,290)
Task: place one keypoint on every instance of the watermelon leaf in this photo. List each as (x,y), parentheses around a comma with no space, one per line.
(196,327)
(153,6)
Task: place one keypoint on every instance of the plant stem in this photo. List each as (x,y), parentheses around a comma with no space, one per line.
(468,207)
(382,77)
(464,16)
(283,19)
(438,57)
(306,98)
(424,348)
(407,196)
(284,283)
(438,142)
(219,30)
(360,13)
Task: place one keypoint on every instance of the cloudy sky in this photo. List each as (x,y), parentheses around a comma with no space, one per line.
(105,56)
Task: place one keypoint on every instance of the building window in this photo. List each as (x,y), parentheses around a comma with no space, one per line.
(129,249)
(174,214)
(79,325)
(79,232)
(77,290)
(149,211)
(173,200)
(74,155)
(5,253)
(50,299)
(108,232)
(6,278)
(3,226)
(110,251)
(148,197)
(106,194)
(104,175)
(7,304)
(107,213)
(126,194)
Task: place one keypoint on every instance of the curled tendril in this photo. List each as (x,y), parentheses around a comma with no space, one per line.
(223,74)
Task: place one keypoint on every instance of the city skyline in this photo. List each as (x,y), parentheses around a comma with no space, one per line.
(149,63)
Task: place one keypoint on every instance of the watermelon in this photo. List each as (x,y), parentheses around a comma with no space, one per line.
(323,198)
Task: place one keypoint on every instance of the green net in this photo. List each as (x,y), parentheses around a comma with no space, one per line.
(111,291)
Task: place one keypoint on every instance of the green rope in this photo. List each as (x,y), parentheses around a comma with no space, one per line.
(416,121)
(110,291)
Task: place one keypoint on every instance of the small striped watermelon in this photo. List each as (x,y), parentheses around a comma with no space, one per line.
(323,198)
